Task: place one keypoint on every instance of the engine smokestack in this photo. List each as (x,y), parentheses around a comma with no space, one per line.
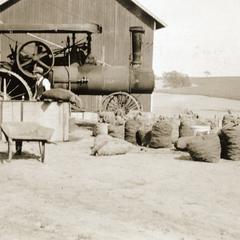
(136,37)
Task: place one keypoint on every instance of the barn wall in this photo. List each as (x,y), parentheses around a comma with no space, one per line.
(113,46)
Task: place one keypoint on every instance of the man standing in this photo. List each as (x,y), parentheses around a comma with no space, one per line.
(42,84)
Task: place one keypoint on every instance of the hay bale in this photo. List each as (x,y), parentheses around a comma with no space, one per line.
(161,135)
(230,142)
(205,148)
(131,128)
(108,146)
(117,131)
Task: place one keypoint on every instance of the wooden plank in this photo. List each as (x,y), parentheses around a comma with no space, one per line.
(53,115)
(145,100)
(11,111)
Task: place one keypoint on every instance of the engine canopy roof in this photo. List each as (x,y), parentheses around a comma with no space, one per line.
(51,28)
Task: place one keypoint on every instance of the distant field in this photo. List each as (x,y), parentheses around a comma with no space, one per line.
(222,87)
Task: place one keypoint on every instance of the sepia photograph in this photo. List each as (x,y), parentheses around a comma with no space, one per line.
(119,120)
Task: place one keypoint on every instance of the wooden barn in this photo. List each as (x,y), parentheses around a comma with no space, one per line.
(112,46)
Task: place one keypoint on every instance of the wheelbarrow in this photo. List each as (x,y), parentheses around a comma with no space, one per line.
(26,131)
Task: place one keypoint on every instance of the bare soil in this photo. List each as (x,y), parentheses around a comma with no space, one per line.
(146,194)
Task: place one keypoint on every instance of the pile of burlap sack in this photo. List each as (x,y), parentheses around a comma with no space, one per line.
(115,123)
(149,130)
(144,129)
(224,143)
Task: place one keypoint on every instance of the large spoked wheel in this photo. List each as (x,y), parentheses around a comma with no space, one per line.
(33,54)
(120,102)
(13,87)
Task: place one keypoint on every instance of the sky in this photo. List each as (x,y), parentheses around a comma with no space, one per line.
(202,36)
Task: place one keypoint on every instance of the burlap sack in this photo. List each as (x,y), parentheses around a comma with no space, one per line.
(132,115)
(107,117)
(59,94)
(131,128)
(100,129)
(185,128)
(175,129)
(230,142)
(147,118)
(117,131)
(99,141)
(144,137)
(144,134)
(114,148)
(181,143)
(119,120)
(161,135)
(230,120)
(107,146)
(205,148)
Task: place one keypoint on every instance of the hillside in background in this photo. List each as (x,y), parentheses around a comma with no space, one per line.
(222,87)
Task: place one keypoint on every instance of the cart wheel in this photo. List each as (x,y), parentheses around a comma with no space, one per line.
(13,87)
(120,102)
(32,54)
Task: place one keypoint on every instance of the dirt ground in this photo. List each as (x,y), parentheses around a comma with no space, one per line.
(174,104)
(146,194)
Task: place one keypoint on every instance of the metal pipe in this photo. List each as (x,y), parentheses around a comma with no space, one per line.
(44,40)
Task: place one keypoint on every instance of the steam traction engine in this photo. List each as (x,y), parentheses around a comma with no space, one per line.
(73,67)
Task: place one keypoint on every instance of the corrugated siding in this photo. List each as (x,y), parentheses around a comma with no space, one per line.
(113,45)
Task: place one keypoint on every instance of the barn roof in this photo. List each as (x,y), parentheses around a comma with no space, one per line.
(3,1)
(133,6)
(159,23)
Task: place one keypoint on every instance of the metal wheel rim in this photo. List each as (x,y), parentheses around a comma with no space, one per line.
(10,89)
(120,101)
